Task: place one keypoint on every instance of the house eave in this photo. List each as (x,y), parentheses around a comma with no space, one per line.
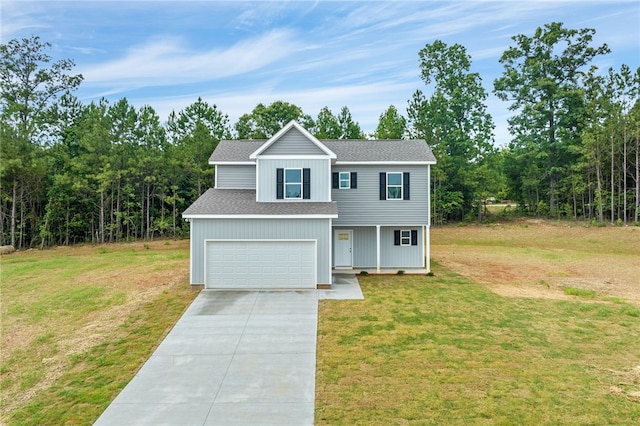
(232,163)
(260,216)
(386,163)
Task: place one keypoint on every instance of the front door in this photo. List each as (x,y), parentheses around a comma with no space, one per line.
(343,239)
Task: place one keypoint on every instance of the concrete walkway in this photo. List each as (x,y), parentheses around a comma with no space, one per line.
(234,358)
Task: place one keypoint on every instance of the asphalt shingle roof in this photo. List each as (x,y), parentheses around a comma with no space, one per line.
(243,202)
(346,150)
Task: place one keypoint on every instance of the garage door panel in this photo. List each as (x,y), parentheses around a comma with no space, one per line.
(260,264)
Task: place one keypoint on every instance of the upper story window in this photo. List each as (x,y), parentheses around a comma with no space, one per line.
(394,186)
(345,180)
(292,183)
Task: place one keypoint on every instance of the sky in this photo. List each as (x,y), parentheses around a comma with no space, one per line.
(236,54)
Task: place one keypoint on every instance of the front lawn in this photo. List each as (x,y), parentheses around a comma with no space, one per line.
(445,350)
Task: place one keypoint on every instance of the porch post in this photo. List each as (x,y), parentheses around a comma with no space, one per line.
(428,240)
(378,248)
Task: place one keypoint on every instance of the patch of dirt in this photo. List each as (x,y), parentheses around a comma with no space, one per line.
(539,259)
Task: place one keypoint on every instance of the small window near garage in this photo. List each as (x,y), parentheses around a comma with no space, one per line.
(405,237)
(345,180)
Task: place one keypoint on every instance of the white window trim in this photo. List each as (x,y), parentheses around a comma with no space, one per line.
(284,183)
(340,180)
(402,238)
(395,186)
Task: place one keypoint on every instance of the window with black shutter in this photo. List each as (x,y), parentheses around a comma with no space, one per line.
(394,186)
(405,237)
(306,184)
(279,184)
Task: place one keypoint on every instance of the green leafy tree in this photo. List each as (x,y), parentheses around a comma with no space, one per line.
(540,78)
(349,129)
(29,85)
(265,121)
(454,122)
(151,166)
(327,125)
(195,133)
(391,125)
(341,126)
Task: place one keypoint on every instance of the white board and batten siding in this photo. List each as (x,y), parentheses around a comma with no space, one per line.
(260,264)
(391,256)
(320,177)
(318,230)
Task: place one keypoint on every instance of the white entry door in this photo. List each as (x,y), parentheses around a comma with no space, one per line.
(343,243)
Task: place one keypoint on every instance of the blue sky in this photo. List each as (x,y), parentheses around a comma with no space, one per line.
(362,54)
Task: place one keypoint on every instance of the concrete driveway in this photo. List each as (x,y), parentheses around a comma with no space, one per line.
(234,358)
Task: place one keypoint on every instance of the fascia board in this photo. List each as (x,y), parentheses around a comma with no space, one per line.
(359,224)
(233,163)
(386,163)
(293,157)
(260,216)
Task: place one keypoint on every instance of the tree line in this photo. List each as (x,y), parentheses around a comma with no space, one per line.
(106,172)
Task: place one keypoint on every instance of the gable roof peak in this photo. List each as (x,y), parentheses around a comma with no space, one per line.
(293,124)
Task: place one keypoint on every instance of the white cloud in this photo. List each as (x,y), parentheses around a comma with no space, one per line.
(166,61)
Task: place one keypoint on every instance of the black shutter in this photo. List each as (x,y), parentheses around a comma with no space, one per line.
(414,237)
(280,184)
(354,180)
(405,185)
(396,237)
(306,184)
(335,180)
(383,186)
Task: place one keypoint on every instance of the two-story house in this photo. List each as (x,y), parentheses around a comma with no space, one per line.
(286,212)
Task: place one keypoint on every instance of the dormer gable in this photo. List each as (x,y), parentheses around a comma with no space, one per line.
(293,140)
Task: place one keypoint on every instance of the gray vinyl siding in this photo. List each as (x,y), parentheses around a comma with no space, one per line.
(277,229)
(362,206)
(391,256)
(236,176)
(293,143)
(320,178)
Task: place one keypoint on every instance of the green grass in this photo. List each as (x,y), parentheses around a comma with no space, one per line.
(95,378)
(585,293)
(418,350)
(78,322)
(444,350)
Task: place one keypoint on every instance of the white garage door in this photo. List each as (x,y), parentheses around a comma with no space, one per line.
(260,264)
